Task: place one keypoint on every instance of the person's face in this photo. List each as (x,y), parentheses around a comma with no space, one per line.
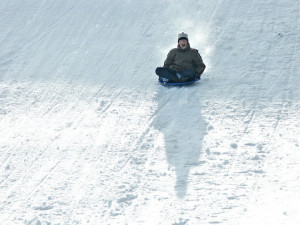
(182,43)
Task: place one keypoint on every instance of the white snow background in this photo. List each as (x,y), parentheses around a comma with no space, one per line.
(88,135)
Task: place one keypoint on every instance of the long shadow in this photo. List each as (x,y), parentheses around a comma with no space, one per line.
(180,120)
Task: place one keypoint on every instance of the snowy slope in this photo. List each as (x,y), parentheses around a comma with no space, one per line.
(88,136)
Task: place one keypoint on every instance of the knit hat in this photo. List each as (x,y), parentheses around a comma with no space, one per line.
(182,35)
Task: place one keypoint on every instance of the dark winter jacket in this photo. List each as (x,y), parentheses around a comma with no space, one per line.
(180,59)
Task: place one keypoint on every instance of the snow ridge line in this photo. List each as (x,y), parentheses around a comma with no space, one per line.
(20,180)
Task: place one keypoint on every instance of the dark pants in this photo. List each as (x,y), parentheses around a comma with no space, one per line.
(171,75)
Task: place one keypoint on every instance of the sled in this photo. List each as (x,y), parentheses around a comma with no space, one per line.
(178,83)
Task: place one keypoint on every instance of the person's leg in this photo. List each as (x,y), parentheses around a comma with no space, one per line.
(188,74)
(167,74)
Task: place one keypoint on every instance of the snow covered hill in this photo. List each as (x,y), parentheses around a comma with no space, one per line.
(88,135)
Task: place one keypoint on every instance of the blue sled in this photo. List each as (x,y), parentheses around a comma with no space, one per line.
(178,84)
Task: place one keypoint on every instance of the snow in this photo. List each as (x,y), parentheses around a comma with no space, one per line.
(88,135)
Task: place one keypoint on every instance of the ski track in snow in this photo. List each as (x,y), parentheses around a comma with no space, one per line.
(88,135)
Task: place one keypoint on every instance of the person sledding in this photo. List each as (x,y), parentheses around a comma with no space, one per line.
(183,63)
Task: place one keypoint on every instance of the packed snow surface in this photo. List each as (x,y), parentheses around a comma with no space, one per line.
(88,135)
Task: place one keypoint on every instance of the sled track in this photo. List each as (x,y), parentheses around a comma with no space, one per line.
(252,113)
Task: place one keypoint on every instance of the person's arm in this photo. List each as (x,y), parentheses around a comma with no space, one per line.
(199,65)
(169,60)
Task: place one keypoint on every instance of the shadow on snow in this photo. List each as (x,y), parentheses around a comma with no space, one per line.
(180,120)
